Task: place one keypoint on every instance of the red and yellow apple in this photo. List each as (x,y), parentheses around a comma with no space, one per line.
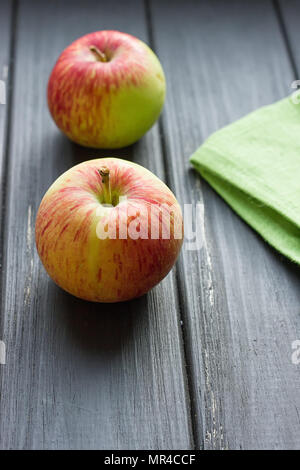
(106,90)
(108,230)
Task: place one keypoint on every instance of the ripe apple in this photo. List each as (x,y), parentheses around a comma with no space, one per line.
(106,90)
(108,230)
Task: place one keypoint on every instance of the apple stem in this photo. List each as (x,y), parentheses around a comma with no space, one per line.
(104,173)
(98,54)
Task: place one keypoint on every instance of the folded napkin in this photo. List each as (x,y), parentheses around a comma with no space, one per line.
(254,164)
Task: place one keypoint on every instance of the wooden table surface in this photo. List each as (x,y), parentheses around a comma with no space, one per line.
(203,360)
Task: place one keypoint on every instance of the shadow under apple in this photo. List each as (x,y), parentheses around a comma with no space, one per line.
(98,329)
(65,153)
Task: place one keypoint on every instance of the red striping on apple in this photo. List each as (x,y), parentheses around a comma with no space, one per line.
(90,199)
(106,90)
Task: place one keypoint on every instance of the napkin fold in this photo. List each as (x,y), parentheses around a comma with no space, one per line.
(254,164)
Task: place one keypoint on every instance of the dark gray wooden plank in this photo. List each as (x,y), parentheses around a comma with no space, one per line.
(5,59)
(79,375)
(240,299)
(5,62)
(289,11)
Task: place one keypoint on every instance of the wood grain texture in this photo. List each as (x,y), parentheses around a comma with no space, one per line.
(240,299)
(289,11)
(5,41)
(79,375)
(5,62)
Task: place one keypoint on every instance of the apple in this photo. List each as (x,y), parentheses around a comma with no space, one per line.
(106,90)
(108,230)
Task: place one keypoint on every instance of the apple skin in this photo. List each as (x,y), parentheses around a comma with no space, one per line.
(106,104)
(106,270)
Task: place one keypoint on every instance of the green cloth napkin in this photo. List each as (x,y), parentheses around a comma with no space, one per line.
(254,164)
